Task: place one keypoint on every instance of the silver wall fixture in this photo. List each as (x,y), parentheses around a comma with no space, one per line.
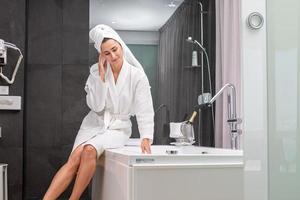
(255,20)
(3,60)
(3,181)
(10,102)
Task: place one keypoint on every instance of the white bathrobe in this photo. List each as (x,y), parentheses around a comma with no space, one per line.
(108,123)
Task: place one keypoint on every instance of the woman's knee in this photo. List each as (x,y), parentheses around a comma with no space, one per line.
(74,159)
(89,153)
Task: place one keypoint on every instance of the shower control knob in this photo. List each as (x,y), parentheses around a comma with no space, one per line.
(255,20)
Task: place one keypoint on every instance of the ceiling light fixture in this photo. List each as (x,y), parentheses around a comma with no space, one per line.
(172,4)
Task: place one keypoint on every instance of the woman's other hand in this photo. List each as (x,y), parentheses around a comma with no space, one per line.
(146,146)
(102,65)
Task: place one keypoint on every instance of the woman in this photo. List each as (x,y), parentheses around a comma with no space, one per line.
(117,88)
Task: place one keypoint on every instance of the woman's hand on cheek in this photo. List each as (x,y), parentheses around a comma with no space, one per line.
(102,66)
(146,146)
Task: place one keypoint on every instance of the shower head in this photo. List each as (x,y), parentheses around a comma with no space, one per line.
(190,40)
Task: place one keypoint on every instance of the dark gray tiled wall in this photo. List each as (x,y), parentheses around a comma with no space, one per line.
(56,74)
(12,29)
(44,32)
(43,105)
(73,101)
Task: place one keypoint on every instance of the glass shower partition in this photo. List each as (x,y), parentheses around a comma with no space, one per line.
(283,47)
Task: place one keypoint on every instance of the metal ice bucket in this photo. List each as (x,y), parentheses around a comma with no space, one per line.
(182,132)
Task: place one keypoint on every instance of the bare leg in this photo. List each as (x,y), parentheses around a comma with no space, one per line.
(85,172)
(64,176)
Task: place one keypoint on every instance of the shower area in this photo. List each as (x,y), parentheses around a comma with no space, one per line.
(189,32)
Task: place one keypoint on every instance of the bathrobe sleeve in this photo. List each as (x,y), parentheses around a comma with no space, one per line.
(96,92)
(143,107)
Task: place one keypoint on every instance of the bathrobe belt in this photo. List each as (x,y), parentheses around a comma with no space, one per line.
(116,121)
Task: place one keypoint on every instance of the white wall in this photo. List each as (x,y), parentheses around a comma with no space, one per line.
(254,106)
(140,37)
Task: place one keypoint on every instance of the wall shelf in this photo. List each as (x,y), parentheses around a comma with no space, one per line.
(192,67)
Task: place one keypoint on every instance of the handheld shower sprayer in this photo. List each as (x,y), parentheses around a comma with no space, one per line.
(190,40)
(203,98)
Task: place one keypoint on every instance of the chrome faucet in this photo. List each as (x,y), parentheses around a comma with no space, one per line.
(232,120)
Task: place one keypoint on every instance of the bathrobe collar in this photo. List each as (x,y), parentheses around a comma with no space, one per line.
(116,88)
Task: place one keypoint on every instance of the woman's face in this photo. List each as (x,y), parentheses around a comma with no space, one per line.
(112,52)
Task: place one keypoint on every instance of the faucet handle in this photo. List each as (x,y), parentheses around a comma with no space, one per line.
(235,133)
(235,120)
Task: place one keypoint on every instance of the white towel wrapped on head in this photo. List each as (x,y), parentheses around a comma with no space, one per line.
(101,31)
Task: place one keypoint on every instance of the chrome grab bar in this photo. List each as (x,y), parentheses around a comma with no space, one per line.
(3,171)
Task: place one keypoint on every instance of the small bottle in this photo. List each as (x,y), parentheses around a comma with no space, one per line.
(192,118)
(194,58)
